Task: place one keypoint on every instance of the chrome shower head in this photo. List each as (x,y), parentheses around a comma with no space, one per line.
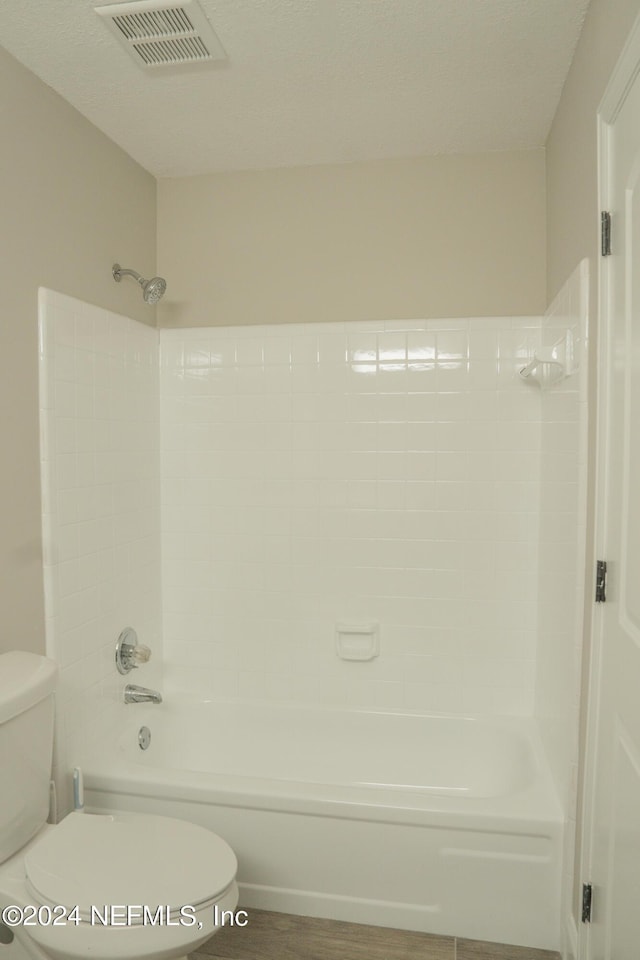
(152,290)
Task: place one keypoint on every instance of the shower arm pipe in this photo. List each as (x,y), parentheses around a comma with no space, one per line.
(120,272)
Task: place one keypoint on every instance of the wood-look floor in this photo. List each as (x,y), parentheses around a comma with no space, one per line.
(282,936)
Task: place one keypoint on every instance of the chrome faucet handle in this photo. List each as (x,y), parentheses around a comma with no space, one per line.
(130,653)
(140,654)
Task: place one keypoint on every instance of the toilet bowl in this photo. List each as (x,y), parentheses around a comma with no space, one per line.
(120,886)
(111,868)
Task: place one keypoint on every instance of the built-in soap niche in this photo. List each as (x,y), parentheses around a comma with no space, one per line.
(357,641)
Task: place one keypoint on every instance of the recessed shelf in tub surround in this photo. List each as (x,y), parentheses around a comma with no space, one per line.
(357,641)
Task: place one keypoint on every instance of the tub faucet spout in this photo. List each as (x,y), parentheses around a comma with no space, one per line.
(135,694)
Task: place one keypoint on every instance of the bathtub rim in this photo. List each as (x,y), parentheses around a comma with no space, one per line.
(533,808)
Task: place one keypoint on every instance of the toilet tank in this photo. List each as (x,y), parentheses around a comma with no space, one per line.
(27,682)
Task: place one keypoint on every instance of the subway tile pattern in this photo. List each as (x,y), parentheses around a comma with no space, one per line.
(100,464)
(322,473)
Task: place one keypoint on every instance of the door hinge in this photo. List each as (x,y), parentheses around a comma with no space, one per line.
(587,902)
(601,581)
(605,233)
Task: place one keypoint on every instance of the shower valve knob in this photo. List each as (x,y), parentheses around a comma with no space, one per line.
(140,654)
(130,653)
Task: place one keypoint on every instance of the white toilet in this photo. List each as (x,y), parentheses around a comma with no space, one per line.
(178,871)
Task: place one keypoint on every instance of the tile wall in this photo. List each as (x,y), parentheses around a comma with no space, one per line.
(101,511)
(400,473)
(563,493)
(379,472)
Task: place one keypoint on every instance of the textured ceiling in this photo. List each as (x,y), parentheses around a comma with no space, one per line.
(314,81)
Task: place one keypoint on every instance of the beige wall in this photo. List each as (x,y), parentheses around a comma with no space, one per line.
(572,161)
(72,202)
(446,236)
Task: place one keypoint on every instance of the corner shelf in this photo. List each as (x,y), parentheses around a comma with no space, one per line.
(550,365)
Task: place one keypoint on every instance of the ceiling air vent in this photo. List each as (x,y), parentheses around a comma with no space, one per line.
(163,33)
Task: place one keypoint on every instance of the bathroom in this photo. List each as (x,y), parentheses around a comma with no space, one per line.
(328,440)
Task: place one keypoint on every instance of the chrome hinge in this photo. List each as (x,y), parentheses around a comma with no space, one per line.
(587,902)
(601,581)
(605,233)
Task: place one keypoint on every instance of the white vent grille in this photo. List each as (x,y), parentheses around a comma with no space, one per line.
(159,33)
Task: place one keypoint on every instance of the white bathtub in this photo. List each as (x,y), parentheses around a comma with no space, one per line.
(445,825)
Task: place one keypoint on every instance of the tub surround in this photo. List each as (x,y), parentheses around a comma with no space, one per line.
(367,472)
(100,463)
(301,482)
(562,563)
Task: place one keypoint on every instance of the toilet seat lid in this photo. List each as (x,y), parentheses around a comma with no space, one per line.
(129,859)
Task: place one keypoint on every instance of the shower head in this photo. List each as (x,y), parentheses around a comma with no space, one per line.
(152,289)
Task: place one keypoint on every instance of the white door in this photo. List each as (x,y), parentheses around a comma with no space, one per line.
(613,789)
